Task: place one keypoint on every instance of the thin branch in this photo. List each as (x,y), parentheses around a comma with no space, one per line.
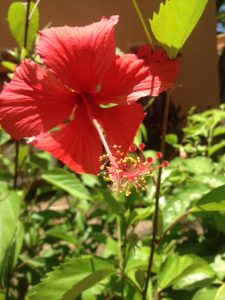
(177,220)
(158,186)
(141,18)
(17,144)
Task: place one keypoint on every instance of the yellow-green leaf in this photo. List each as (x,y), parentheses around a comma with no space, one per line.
(174,23)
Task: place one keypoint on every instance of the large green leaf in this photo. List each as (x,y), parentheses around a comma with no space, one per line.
(177,267)
(220,294)
(198,277)
(180,201)
(212,201)
(68,182)
(16,21)
(9,214)
(210,293)
(205,294)
(174,23)
(70,279)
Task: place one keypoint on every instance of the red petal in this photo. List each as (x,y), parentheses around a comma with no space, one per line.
(79,56)
(77,145)
(163,71)
(120,124)
(34,101)
(126,80)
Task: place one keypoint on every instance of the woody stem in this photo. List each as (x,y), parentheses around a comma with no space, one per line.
(158,185)
(17,145)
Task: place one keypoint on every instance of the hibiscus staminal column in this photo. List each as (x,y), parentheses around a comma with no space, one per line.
(104,142)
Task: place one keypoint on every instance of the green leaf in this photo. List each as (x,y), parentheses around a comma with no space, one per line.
(212,201)
(61,233)
(176,267)
(210,293)
(139,214)
(141,135)
(17,243)
(174,23)
(9,214)
(180,201)
(219,266)
(8,65)
(68,182)
(113,204)
(220,294)
(198,277)
(16,21)
(171,139)
(216,147)
(205,294)
(70,279)
(90,180)
(199,165)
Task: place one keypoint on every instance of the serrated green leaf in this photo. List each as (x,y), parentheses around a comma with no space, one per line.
(9,214)
(212,201)
(70,279)
(68,182)
(16,20)
(174,23)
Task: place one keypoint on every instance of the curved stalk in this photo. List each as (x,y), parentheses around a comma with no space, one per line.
(143,24)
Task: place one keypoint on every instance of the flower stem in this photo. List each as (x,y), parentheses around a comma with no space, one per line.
(158,185)
(26,28)
(143,24)
(17,144)
(16,164)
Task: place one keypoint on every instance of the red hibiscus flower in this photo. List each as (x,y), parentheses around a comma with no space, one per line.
(81,73)
(163,70)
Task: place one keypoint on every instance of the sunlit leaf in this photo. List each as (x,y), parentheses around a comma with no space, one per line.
(212,201)
(68,182)
(175,21)
(198,277)
(177,267)
(70,279)
(9,213)
(16,21)
(220,294)
(205,294)
(171,139)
